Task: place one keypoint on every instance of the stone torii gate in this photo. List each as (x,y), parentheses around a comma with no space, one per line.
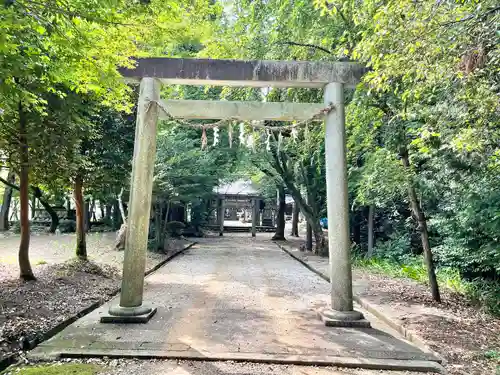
(153,72)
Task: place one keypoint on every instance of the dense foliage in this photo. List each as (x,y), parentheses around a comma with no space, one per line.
(422,126)
(63,100)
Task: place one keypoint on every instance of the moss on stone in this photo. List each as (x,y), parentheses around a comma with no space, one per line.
(57,369)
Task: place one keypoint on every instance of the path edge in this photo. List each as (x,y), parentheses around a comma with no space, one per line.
(32,344)
(279,359)
(406,333)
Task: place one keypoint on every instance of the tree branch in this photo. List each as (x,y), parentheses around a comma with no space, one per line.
(472,16)
(9,184)
(41,7)
(308,45)
(37,192)
(120,205)
(339,11)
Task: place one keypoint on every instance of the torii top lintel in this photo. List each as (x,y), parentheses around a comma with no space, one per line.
(255,73)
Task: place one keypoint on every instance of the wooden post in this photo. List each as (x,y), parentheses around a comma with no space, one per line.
(254,217)
(341,312)
(221,216)
(131,308)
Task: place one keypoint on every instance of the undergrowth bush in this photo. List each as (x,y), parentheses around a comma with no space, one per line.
(67,226)
(174,228)
(480,292)
(398,246)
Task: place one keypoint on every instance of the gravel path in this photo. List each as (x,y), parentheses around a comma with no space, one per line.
(180,367)
(157,367)
(232,298)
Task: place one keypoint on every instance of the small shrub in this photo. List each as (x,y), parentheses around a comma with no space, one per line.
(174,228)
(67,226)
(395,248)
(40,262)
(451,279)
(484,293)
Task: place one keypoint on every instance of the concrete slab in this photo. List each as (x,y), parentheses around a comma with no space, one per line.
(242,299)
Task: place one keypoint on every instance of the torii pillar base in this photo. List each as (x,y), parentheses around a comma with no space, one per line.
(344,319)
(119,314)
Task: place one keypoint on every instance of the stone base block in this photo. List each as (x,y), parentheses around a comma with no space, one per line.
(343,319)
(118,314)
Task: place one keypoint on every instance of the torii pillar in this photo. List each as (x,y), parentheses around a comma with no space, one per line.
(131,309)
(341,313)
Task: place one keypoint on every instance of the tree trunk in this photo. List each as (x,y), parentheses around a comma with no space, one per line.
(422,227)
(122,208)
(321,247)
(81,246)
(158,226)
(107,212)
(54,219)
(165,222)
(295,220)
(371,215)
(309,238)
(117,220)
(86,215)
(33,206)
(13,215)
(7,197)
(92,212)
(26,273)
(280,218)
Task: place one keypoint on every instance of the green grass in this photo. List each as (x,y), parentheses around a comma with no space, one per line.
(492,354)
(40,262)
(485,294)
(58,369)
